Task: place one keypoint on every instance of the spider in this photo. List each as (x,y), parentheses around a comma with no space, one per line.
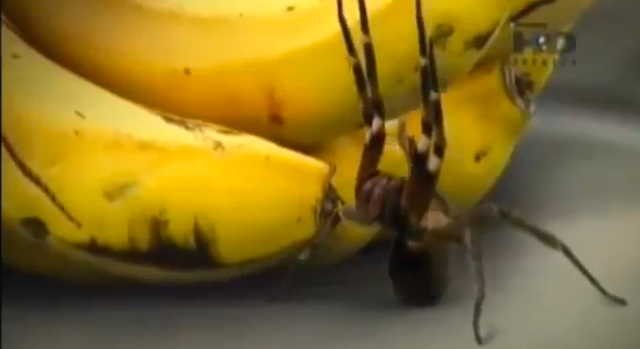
(423,224)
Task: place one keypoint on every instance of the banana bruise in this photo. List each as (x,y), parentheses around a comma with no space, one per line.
(276,69)
(111,188)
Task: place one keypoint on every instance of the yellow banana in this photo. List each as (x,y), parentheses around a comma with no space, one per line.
(116,189)
(277,69)
(481,97)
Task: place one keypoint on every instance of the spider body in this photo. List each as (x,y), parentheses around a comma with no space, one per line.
(417,270)
(418,274)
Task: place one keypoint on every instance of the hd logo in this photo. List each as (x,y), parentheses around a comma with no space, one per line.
(548,47)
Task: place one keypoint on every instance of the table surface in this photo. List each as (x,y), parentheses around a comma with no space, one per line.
(576,172)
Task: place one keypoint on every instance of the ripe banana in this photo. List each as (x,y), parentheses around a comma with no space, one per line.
(94,185)
(277,69)
(480,98)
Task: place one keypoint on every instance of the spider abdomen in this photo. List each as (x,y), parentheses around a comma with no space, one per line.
(419,275)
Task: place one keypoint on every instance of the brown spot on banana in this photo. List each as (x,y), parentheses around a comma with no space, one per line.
(32,177)
(217,145)
(136,271)
(117,191)
(180,122)
(274,108)
(196,126)
(161,251)
(80,114)
(36,227)
(480,155)
(479,41)
(441,34)
(186,71)
(204,242)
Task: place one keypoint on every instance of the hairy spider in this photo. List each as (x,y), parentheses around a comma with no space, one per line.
(423,224)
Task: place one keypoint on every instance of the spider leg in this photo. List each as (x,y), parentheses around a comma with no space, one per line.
(426,156)
(450,232)
(403,139)
(372,106)
(328,217)
(547,238)
(458,231)
(373,115)
(477,266)
(303,257)
(552,241)
(418,268)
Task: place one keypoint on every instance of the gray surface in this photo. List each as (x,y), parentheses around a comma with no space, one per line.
(607,71)
(577,173)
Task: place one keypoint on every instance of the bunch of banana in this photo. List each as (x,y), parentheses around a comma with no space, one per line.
(483,122)
(101,186)
(95,187)
(276,69)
